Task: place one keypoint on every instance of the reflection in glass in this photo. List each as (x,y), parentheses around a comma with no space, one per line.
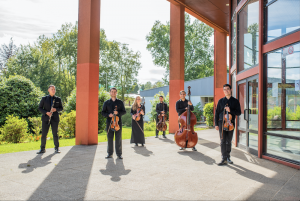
(233,40)
(283,147)
(282,17)
(253,104)
(242,100)
(233,84)
(242,137)
(253,141)
(248,35)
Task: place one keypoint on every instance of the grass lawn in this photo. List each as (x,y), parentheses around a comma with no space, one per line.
(9,148)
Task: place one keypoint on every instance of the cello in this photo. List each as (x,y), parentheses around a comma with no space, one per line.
(186,137)
(161,125)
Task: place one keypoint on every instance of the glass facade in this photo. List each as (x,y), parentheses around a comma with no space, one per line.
(233,84)
(282,17)
(283,93)
(281,71)
(248,23)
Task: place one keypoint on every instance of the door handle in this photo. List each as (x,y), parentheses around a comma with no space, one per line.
(245,110)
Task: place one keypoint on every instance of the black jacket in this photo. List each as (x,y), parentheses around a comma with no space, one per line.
(45,106)
(181,105)
(233,104)
(160,108)
(109,107)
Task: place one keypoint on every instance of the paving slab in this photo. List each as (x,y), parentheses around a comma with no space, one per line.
(158,171)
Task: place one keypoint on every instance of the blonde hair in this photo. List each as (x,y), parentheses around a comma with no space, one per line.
(135,104)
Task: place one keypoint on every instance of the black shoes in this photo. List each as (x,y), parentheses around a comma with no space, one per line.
(181,148)
(142,145)
(229,161)
(108,156)
(223,162)
(41,151)
(156,136)
(164,136)
(120,157)
(136,144)
(57,151)
(194,149)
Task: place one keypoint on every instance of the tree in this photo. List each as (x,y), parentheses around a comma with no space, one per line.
(6,52)
(19,97)
(198,51)
(158,84)
(148,85)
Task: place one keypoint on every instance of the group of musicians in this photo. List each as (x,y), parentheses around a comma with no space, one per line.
(50,106)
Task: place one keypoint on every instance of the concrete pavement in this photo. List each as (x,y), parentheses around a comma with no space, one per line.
(158,171)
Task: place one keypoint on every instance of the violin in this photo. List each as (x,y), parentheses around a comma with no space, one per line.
(186,137)
(114,125)
(228,126)
(137,116)
(161,125)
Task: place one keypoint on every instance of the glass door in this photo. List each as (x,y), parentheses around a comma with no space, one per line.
(248,120)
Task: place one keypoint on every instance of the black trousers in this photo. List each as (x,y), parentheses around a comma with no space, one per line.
(157,131)
(225,142)
(45,129)
(118,140)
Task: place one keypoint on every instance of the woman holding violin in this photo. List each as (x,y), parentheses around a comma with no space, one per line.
(113,109)
(226,111)
(137,124)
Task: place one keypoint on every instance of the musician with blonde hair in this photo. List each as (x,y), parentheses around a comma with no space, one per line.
(137,113)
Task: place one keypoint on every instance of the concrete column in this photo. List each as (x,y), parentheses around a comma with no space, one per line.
(87,72)
(220,65)
(176,62)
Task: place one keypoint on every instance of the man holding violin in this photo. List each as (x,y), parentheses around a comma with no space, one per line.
(229,105)
(182,106)
(109,111)
(161,108)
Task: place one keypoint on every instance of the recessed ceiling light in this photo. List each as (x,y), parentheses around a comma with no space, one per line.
(227,4)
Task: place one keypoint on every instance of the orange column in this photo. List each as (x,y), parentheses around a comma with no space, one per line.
(87,72)
(220,65)
(176,61)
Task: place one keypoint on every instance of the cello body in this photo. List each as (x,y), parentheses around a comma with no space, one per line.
(161,125)
(186,137)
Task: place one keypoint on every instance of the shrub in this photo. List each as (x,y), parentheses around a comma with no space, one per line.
(14,129)
(126,119)
(150,126)
(66,128)
(19,97)
(209,114)
(198,111)
(102,97)
(152,114)
(36,125)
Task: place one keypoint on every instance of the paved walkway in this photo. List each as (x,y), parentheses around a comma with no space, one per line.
(158,171)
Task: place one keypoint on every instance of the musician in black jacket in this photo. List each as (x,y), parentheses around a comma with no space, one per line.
(161,108)
(108,112)
(181,107)
(50,106)
(232,106)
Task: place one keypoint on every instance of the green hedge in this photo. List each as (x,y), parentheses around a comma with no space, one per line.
(15,130)
(209,114)
(19,97)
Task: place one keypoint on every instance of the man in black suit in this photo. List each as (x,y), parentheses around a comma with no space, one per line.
(108,111)
(45,108)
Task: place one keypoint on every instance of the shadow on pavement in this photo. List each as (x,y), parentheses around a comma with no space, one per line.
(35,163)
(115,170)
(143,151)
(69,178)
